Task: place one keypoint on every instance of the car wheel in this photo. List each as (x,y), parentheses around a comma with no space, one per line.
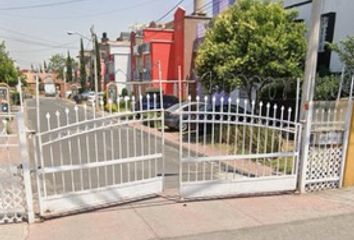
(184,127)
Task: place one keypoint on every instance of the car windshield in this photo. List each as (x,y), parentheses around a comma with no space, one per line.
(185,106)
(177,106)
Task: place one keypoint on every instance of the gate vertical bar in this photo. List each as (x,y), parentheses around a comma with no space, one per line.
(162,126)
(25,165)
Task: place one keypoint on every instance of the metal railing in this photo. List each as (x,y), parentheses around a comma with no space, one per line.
(226,149)
(86,162)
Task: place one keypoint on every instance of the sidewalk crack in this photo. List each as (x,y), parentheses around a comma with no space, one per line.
(156,236)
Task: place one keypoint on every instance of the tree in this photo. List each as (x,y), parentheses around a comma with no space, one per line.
(69,68)
(82,65)
(98,59)
(45,67)
(345,50)
(256,39)
(57,63)
(8,72)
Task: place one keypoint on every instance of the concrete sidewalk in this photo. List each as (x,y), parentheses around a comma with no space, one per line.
(237,218)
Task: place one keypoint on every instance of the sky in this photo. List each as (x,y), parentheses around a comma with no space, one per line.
(32,34)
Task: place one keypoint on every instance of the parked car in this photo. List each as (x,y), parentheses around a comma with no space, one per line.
(172,114)
(68,93)
(77,98)
(91,98)
(168,101)
(86,94)
(4,107)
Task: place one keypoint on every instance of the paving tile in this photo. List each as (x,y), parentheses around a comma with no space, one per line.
(193,218)
(107,224)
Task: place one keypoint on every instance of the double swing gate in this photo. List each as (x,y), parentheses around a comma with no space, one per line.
(84,159)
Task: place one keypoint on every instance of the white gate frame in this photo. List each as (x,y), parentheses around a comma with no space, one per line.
(306,142)
(23,146)
(203,187)
(75,132)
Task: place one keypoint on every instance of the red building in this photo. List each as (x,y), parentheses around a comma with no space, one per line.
(167,47)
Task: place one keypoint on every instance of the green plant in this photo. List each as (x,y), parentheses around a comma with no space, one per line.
(326,87)
(8,72)
(124,92)
(345,50)
(252,38)
(15,97)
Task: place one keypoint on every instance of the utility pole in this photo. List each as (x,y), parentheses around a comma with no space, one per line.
(19,90)
(308,88)
(94,37)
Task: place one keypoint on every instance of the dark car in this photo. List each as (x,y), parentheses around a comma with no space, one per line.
(172,115)
(4,107)
(168,101)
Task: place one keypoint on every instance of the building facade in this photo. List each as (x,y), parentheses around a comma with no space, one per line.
(336,25)
(167,51)
(115,61)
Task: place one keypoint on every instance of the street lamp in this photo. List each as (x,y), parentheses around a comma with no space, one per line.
(93,39)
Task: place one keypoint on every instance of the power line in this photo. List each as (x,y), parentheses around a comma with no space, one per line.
(41,5)
(33,42)
(28,35)
(139,4)
(169,11)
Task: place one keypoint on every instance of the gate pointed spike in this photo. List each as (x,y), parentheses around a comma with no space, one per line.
(76,108)
(198,98)
(57,113)
(67,110)
(47,115)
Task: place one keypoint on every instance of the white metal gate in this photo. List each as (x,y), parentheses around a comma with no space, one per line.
(15,185)
(325,145)
(228,147)
(87,161)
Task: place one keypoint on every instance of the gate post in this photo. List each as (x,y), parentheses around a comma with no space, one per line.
(348,177)
(25,164)
(306,139)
